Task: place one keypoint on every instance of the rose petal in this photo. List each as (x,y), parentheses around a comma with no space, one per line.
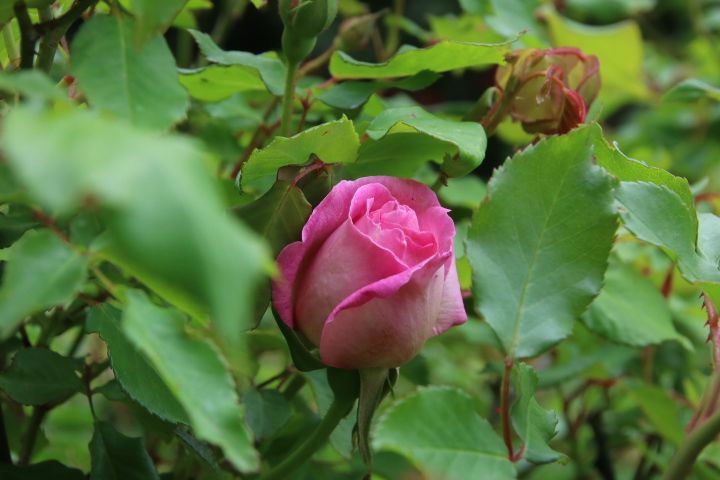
(386,324)
(347,262)
(452,310)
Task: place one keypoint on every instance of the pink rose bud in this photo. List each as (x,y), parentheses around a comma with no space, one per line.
(549,91)
(374,275)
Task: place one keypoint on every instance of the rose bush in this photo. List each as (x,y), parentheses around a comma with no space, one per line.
(374,275)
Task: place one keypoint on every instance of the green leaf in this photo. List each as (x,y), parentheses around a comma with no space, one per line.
(631,310)
(195,374)
(658,215)
(438,429)
(628,169)
(279,215)
(38,376)
(268,69)
(49,469)
(692,90)
(661,410)
(132,369)
(267,412)
(539,244)
(155,16)
(535,425)
(467,138)
(113,455)
(139,84)
(159,203)
(332,142)
(441,57)
(31,83)
(218,82)
(622,75)
(465,28)
(515,16)
(465,192)
(353,95)
(38,255)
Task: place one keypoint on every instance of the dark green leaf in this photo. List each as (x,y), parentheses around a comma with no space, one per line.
(42,271)
(115,456)
(535,425)
(441,57)
(661,410)
(48,470)
(539,244)
(132,369)
(631,310)
(195,374)
(440,431)
(139,84)
(269,69)
(466,192)
(352,95)
(267,411)
(155,16)
(332,142)
(38,376)
(279,215)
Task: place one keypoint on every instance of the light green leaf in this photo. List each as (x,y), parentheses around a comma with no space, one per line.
(692,90)
(658,215)
(38,376)
(661,410)
(31,83)
(465,28)
(465,192)
(139,84)
(535,425)
(539,244)
(113,455)
(515,16)
(133,371)
(441,57)
(7,8)
(353,95)
(631,310)
(622,75)
(332,142)
(218,82)
(155,16)
(41,272)
(196,376)
(467,138)
(438,429)
(270,70)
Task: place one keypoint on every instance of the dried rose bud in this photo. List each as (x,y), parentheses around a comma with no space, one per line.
(548,91)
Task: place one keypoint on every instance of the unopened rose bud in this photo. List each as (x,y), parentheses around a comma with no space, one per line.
(549,91)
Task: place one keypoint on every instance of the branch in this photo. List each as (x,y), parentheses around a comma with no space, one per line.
(28,34)
(54,30)
(684,458)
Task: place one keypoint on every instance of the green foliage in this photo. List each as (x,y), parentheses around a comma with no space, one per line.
(38,376)
(539,245)
(116,456)
(38,255)
(139,84)
(452,439)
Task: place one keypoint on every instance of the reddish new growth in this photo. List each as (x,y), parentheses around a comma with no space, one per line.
(712,323)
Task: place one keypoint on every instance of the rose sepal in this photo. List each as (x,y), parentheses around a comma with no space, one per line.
(303,358)
(375,384)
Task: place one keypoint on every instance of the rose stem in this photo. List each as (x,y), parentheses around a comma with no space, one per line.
(337,411)
(505,407)
(694,443)
(288,98)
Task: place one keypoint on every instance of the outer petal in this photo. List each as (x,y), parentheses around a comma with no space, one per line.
(348,261)
(386,324)
(452,310)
